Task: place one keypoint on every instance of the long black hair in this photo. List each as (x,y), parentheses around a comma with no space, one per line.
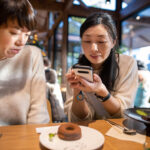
(21,10)
(110,68)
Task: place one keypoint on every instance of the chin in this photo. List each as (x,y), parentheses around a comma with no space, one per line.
(10,56)
(96,62)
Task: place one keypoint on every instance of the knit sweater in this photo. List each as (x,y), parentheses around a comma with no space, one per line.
(125,90)
(23,88)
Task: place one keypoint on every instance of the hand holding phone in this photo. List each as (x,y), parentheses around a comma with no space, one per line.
(84,71)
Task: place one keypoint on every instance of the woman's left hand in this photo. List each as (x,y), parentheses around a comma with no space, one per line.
(95,86)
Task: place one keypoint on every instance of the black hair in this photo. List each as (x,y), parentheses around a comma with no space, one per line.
(141,65)
(21,10)
(110,68)
(51,76)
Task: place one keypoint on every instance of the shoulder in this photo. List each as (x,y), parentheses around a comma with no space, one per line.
(32,49)
(31,52)
(127,66)
(125,60)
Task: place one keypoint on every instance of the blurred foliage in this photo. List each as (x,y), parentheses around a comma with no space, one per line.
(78,19)
(74,25)
(122,49)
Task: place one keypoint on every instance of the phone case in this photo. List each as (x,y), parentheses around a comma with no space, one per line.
(84,71)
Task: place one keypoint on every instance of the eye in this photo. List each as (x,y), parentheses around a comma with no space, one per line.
(86,41)
(14,33)
(101,42)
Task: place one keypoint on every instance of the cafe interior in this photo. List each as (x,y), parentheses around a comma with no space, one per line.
(57,34)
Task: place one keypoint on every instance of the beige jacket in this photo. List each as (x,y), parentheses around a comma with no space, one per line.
(23,88)
(125,86)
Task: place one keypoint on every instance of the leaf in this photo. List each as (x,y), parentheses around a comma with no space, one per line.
(51,136)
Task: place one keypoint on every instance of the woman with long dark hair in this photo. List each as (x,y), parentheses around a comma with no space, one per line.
(115,76)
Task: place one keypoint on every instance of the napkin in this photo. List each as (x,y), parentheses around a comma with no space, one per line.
(118,133)
(42,129)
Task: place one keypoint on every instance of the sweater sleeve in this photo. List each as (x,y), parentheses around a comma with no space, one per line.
(68,107)
(124,91)
(126,84)
(38,106)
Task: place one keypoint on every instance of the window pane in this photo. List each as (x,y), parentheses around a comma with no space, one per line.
(135,36)
(125,3)
(103,4)
(58,50)
(74,43)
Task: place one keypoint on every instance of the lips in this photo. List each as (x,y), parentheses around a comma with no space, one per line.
(95,56)
(14,51)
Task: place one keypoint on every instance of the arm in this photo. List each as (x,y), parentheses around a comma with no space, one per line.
(122,98)
(38,107)
(126,84)
(125,88)
(76,110)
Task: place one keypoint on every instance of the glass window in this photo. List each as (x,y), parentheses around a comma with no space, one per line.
(103,4)
(125,3)
(135,36)
(58,50)
(74,42)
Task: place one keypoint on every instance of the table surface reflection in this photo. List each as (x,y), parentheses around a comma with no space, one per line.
(18,137)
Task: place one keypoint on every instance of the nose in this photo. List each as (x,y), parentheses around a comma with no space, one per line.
(94,47)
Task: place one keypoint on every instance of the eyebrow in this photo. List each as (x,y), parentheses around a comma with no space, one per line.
(96,35)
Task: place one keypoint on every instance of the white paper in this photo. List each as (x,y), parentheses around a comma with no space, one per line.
(42,129)
(118,133)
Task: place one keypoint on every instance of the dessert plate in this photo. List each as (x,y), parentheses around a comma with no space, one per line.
(139,114)
(91,139)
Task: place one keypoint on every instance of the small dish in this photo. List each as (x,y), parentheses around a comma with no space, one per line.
(133,114)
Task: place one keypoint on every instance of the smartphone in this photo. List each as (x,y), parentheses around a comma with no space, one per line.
(84,71)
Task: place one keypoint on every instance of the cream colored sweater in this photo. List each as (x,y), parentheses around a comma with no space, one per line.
(125,90)
(23,88)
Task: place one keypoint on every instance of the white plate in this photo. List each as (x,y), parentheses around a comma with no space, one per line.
(91,139)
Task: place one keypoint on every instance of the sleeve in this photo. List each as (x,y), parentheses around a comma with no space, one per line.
(126,84)
(56,100)
(38,112)
(68,107)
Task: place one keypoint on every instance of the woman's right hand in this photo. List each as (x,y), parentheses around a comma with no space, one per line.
(73,81)
(71,78)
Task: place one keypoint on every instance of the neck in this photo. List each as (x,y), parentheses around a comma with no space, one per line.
(96,66)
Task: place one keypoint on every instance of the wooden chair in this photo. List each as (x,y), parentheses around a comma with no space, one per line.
(49,110)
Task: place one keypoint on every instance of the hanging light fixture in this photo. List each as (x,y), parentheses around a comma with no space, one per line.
(107,1)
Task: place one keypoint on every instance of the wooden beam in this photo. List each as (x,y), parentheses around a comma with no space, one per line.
(144,38)
(55,25)
(118,22)
(64,47)
(48,5)
(68,5)
(83,5)
(144,21)
(82,12)
(134,7)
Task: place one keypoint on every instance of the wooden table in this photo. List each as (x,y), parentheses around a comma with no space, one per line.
(24,137)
